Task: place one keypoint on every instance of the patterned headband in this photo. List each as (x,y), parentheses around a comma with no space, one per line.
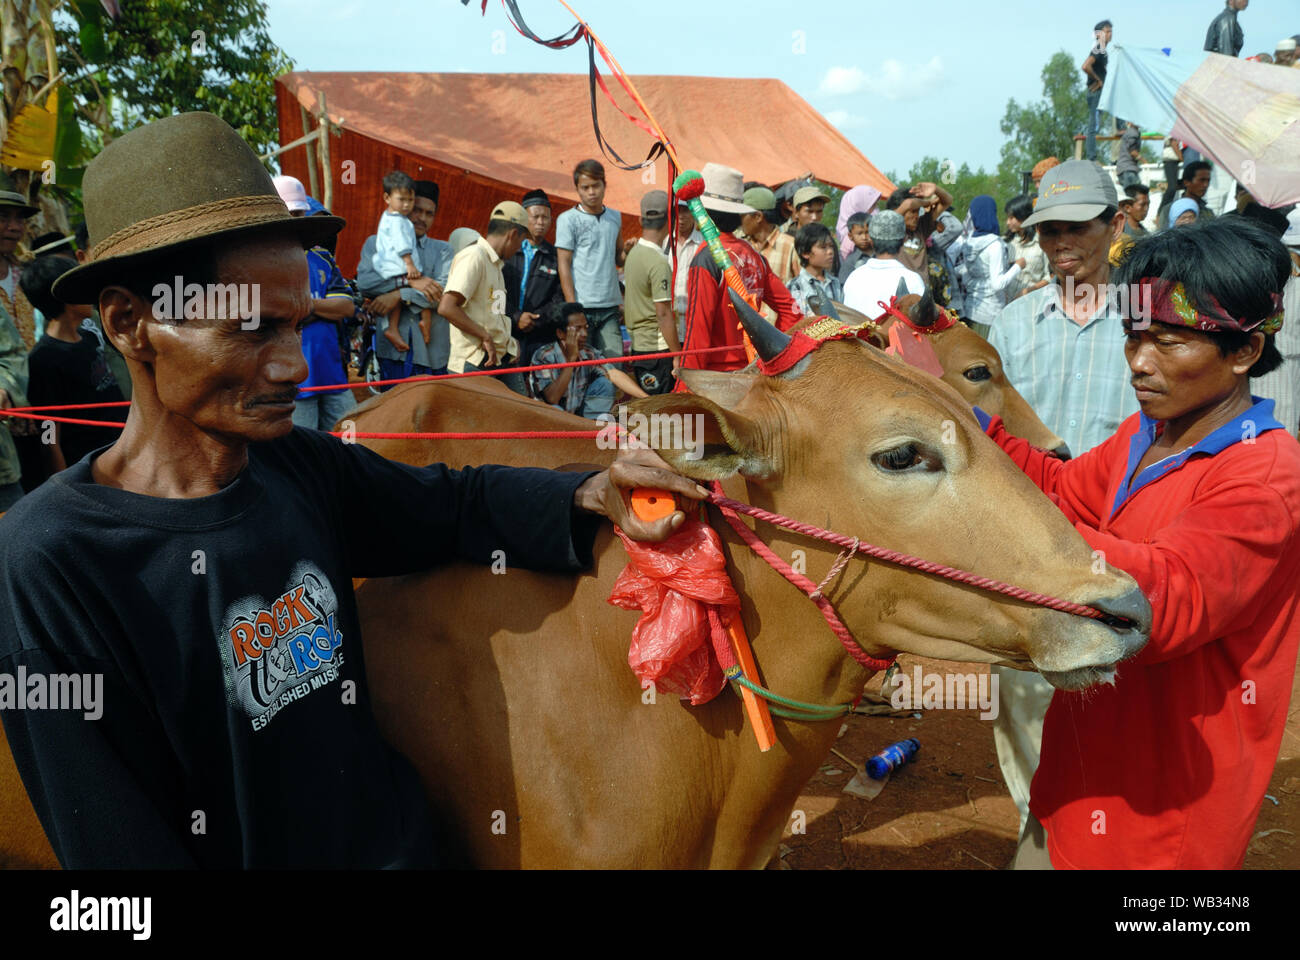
(1169,303)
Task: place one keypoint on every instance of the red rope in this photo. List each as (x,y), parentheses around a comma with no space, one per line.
(729,509)
(726,504)
(35,412)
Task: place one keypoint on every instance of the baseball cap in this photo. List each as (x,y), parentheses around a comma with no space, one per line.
(1075,191)
(511,211)
(293,193)
(807,195)
(760,198)
(654,204)
(886,225)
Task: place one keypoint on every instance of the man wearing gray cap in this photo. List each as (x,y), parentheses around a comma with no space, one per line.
(876,281)
(648,297)
(1062,347)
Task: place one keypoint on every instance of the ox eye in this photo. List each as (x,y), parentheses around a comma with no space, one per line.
(977,374)
(903,457)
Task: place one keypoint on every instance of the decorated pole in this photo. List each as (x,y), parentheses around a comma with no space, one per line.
(689,186)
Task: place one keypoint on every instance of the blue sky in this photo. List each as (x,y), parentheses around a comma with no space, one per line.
(901,79)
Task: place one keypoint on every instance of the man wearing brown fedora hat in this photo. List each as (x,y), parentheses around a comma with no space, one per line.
(200,566)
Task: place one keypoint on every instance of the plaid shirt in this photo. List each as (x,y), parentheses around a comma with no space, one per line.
(1074,377)
(778,251)
(553,352)
(806,285)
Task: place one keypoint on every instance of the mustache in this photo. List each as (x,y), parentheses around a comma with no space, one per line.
(276,398)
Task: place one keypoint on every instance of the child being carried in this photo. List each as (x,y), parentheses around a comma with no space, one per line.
(396,252)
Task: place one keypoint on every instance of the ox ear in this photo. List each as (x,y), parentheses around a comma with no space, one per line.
(724,389)
(697,437)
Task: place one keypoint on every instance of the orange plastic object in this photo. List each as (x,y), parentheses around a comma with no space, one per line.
(650,505)
(760,719)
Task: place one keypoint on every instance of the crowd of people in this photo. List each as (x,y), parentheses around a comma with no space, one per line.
(1040,275)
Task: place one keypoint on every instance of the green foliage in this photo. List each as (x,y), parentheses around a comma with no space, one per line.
(1044,129)
(962,182)
(170,56)
(69,151)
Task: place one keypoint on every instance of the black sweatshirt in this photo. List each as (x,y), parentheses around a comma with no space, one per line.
(236,725)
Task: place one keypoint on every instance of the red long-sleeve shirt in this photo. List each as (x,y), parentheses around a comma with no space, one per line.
(1168,767)
(711,321)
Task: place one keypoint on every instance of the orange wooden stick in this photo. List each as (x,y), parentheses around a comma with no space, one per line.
(760,719)
(650,505)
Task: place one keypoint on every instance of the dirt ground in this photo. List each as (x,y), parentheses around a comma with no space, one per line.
(950,808)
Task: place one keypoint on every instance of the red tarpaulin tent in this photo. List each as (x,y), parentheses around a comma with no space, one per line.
(486,137)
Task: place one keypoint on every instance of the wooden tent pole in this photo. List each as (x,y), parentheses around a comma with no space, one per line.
(312,185)
(323,144)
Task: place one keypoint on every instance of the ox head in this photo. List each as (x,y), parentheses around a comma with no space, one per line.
(858,442)
(971,366)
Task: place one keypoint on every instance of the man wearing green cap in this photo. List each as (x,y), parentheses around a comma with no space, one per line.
(200,567)
(763,231)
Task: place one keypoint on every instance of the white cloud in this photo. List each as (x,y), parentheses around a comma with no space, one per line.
(843,80)
(893,80)
(843,119)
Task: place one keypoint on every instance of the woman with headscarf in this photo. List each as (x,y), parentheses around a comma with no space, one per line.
(1183,212)
(861,199)
(988,278)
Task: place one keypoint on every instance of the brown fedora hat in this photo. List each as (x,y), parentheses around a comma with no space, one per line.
(172,183)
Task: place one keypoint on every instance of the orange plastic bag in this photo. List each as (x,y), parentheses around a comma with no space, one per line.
(673,584)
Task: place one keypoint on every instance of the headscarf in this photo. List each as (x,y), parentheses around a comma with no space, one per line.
(1179,207)
(983,215)
(861,199)
(1166,301)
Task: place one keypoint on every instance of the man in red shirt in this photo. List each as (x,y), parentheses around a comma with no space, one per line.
(711,321)
(1198,498)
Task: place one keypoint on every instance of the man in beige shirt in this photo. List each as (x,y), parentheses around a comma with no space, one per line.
(475,299)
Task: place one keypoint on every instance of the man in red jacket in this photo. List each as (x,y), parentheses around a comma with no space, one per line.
(1198,498)
(711,321)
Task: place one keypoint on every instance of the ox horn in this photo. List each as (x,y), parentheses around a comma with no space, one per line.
(902,290)
(824,306)
(923,312)
(766,338)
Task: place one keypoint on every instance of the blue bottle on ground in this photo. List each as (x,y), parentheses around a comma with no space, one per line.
(892,757)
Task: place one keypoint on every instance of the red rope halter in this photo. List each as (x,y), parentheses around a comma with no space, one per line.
(851,546)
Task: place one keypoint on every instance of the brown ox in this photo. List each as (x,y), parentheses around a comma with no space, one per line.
(511,692)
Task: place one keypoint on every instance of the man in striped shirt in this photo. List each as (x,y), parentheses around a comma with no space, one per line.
(1062,347)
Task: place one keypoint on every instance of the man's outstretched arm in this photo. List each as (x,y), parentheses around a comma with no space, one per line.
(399,519)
